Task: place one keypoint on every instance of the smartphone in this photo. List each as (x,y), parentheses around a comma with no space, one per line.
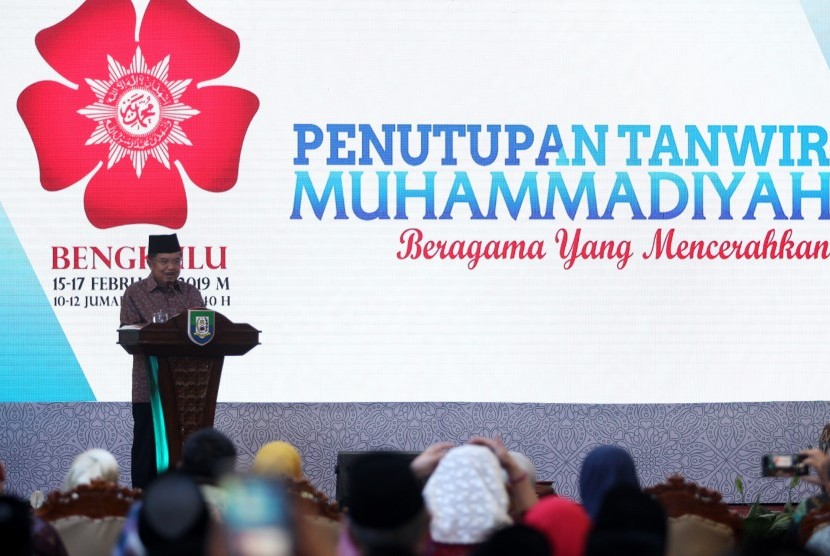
(783,465)
(257,517)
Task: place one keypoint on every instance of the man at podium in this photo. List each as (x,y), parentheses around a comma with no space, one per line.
(154,299)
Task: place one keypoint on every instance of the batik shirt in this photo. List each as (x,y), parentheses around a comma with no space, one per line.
(140,301)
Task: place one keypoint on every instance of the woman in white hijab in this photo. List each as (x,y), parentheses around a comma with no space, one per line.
(468,495)
(89,465)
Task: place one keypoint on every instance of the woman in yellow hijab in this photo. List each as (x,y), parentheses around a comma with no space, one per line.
(278,459)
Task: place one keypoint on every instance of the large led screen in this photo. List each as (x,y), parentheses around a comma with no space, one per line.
(562,201)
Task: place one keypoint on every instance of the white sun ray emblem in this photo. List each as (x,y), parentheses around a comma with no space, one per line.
(138,112)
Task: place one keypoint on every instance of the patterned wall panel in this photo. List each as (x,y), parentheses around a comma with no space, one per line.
(711,444)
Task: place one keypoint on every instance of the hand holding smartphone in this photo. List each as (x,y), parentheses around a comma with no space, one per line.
(258,517)
(784,465)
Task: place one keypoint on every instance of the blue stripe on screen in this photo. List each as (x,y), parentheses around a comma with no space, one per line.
(37,363)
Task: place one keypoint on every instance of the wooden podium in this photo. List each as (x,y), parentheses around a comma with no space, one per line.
(187,372)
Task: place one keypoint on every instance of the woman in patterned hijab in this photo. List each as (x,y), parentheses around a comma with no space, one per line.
(467,498)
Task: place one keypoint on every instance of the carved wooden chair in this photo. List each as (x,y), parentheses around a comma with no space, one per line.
(90,517)
(700,522)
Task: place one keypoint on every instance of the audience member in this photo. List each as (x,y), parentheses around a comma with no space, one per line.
(15,526)
(604,468)
(628,522)
(173,519)
(129,543)
(259,519)
(46,541)
(824,439)
(514,540)
(519,487)
(527,466)
(278,459)
(86,515)
(564,522)
(22,534)
(386,512)
(814,458)
(207,455)
(822,465)
(89,465)
(819,542)
(425,463)
(467,498)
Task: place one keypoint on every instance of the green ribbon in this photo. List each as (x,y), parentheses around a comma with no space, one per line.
(162,452)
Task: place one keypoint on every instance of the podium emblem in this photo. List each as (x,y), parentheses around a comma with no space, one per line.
(201,325)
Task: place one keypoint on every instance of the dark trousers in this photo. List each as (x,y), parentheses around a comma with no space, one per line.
(143,464)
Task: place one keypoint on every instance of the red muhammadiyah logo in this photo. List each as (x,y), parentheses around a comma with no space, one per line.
(137,110)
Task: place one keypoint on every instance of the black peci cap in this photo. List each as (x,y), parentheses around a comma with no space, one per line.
(163,244)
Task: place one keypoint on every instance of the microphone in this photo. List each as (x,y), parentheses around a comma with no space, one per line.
(173,289)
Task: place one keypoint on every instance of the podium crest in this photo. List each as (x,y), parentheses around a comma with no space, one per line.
(201,325)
